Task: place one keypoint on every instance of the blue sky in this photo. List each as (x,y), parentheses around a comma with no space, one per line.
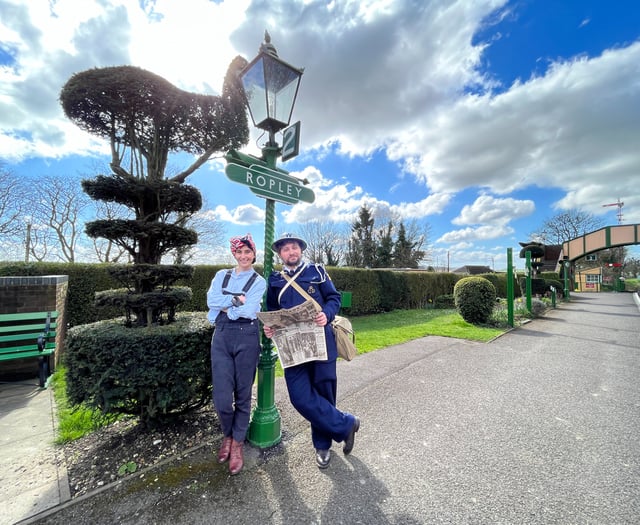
(476,119)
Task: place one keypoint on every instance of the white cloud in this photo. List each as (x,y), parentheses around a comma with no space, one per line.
(490,210)
(242,215)
(476,234)
(380,76)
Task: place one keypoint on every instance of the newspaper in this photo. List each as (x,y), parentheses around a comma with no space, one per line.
(297,338)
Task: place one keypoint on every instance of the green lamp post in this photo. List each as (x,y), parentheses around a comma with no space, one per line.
(270,86)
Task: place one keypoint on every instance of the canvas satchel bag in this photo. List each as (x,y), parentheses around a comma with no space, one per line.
(342,329)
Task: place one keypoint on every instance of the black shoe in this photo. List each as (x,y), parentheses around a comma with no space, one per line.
(323,457)
(351,438)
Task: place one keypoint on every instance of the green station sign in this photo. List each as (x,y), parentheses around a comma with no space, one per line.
(270,184)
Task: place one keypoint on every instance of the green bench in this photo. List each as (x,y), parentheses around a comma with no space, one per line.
(29,335)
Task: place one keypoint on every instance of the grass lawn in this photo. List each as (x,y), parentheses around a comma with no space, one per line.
(378,331)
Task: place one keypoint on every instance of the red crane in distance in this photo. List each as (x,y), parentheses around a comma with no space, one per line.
(619,205)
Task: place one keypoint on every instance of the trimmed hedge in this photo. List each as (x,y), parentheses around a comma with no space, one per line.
(373,291)
(152,372)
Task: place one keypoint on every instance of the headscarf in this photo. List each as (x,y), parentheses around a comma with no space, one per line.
(239,242)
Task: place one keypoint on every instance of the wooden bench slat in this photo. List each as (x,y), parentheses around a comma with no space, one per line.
(28,327)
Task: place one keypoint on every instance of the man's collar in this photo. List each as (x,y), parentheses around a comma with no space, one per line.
(291,271)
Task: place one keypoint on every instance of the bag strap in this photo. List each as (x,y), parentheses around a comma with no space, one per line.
(293,283)
(289,280)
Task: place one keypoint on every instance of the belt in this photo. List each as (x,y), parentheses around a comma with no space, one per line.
(222,316)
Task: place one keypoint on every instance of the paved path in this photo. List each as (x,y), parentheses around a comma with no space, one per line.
(539,426)
(30,479)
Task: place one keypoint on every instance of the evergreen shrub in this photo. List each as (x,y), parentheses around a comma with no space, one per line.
(474,298)
(153,372)
(444,302)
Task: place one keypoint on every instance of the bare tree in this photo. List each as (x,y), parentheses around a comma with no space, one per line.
(11,204)
(210,232)
(566,226)
(57,218)
(106,250)
(326,242)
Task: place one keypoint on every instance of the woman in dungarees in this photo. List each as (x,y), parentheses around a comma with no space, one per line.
(234,299)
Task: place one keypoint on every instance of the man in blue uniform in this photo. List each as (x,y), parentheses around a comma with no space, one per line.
(312,385)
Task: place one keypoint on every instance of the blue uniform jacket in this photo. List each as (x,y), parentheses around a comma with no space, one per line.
(314,280)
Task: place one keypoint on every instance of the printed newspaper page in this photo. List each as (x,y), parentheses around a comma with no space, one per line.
(296,338)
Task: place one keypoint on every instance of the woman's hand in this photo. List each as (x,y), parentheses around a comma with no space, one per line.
(268,331)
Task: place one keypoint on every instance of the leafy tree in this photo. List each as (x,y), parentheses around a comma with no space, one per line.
(361,251)
(384,250)
(405,252)
(632,266)
(393,245)
(145,118)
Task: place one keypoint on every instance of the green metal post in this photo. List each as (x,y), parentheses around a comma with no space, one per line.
(567,265)
(510,294)
(528,272)
(264,429)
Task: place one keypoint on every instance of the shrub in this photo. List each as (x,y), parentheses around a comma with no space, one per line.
(445,301)
(474,298)
(548,283)
(538,307)
(538,286)
(152,372)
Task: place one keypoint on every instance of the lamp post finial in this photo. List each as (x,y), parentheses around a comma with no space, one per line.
(267,46)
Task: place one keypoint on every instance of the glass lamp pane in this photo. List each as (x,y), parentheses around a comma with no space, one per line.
(282,84)
(255,91)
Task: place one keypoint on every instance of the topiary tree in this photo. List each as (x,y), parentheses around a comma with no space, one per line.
(145,119)
(474,298)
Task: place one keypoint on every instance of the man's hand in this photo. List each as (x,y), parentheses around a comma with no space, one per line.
(320,319)
(268,331)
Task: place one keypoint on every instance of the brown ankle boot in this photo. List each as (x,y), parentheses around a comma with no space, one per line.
(225,450)
(237,461)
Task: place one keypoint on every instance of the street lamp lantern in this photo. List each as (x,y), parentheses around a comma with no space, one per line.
(270,86)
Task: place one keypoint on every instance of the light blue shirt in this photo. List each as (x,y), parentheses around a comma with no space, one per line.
(217,301)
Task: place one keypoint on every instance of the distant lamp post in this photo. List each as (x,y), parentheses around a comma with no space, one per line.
(270,87)
(27,240)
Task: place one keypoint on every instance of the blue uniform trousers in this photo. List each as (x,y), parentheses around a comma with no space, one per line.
(235,350)
(312,391)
